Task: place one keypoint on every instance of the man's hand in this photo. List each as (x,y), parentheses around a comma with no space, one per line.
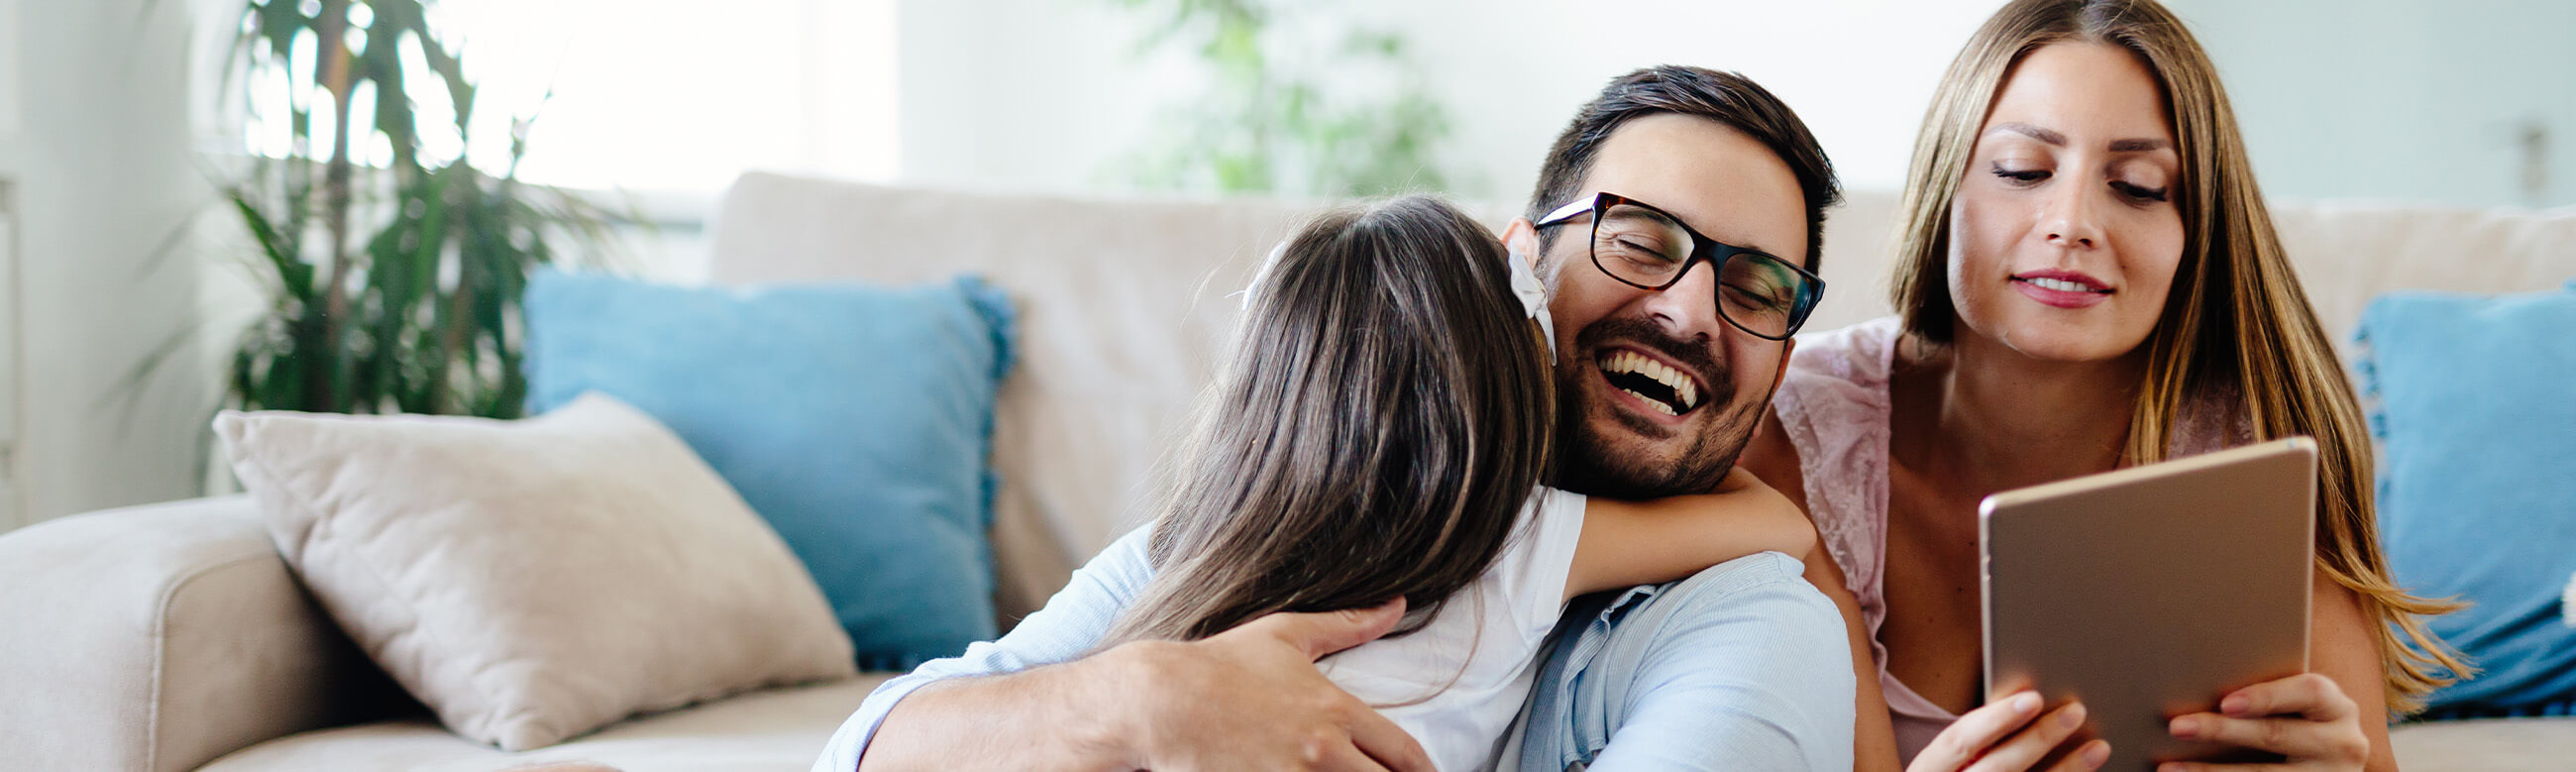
(1251,698)
(1248,698)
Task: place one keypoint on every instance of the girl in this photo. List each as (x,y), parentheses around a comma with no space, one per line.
(1381,433)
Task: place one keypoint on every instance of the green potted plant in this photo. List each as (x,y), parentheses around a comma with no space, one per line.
(395,278)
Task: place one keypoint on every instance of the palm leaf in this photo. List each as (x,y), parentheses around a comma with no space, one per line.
(436,257)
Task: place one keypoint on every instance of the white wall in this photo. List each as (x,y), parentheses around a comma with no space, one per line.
(1859,72)
(99,155)
(2401,99)
(2408,99)
(1018,94)
(1043,94)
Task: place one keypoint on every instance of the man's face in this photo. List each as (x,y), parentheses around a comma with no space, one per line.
(1618,441)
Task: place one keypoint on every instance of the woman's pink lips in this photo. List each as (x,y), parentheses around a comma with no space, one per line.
(2059,298)
(2061,274)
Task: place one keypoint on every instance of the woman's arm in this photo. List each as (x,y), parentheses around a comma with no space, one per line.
(1625,544)
(1874,736)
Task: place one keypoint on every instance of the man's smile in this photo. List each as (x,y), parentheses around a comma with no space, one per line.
(1652,382)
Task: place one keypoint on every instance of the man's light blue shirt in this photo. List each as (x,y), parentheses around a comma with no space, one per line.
(1744,666)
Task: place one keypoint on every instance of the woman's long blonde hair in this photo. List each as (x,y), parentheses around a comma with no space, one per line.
(2235,319)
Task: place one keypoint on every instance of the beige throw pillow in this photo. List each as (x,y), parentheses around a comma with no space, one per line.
(534,580)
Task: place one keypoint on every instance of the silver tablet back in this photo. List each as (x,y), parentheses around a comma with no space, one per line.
(2152,592)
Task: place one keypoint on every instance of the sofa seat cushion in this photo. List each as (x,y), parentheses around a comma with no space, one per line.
(2492,745)
(775,729)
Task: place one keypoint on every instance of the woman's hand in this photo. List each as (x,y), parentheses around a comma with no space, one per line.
(2011,734)
(2306,718)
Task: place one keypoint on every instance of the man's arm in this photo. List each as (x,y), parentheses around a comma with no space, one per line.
(1032,700)
(1743,666)
(1001,678)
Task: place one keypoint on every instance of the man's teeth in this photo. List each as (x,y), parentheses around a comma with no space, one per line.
(1683,387)
(2060,285)
(1652,402)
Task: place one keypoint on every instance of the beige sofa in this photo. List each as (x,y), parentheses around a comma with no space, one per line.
(172,637)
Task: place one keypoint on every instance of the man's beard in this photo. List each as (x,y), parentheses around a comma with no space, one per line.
(1594,465)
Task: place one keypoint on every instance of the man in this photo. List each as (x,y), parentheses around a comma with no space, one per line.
(1744,666)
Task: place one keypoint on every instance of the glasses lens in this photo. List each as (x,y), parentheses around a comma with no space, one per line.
(1639,246)
(1761,293)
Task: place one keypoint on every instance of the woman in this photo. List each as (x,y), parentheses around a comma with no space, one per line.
(2087,280)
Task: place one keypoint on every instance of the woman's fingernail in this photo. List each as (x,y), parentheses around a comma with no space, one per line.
(2095,754)
(2025,703)
(2234,705)
(2071,717)
(2184,728)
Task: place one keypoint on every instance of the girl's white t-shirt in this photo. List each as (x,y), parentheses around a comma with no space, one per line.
(1487,637)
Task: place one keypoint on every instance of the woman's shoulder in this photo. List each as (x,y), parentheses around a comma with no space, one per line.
(1836,383)
(1860,353)
(1827,438)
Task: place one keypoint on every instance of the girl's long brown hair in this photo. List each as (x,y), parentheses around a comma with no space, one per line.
(1384,415)
(2236,319)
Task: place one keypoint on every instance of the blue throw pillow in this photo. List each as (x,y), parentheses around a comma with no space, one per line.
(2476,411)
(857,419)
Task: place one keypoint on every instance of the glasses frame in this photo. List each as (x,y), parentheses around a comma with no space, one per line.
(1703,248)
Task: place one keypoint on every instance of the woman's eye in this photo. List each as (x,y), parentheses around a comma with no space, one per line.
(2139,192)
(2021,176)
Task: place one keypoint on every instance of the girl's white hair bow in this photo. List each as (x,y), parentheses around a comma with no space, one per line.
(1533,295)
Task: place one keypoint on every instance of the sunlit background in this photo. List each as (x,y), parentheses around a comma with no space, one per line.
(120,122)
(2452,102)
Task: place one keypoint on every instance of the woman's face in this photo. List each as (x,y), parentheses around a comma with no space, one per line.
(2064,236)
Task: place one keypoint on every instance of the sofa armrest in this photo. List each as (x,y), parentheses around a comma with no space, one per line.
(159,637)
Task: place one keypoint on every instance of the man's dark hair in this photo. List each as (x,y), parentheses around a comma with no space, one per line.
(1724,97)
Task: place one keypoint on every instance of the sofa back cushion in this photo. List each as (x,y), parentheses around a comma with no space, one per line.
(2471,403)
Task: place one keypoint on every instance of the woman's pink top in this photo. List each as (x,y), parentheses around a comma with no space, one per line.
(1833,403)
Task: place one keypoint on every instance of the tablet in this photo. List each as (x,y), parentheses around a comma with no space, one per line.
(2153,591)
